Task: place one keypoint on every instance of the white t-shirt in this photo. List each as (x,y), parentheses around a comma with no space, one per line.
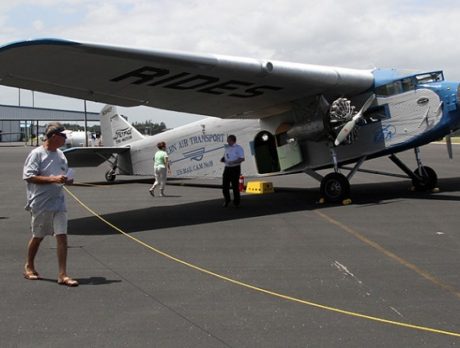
(45,197)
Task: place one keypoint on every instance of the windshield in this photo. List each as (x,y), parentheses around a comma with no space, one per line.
(408,83)
(430,77)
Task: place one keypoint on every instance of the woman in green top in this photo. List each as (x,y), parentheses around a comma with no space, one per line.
(161,164)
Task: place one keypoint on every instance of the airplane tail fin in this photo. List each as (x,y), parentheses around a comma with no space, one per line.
(116,131)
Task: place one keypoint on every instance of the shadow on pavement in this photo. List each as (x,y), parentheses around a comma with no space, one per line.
(83,281)
(284,200)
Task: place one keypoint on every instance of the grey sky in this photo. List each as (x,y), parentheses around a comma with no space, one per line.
(420,35)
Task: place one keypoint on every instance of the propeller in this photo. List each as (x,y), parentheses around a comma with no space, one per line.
(346,130)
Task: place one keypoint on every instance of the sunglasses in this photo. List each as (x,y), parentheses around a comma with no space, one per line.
(61,135)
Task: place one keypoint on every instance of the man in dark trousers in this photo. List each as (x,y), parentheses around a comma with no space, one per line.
(233,156)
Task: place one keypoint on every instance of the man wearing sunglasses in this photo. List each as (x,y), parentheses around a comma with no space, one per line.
(45,171)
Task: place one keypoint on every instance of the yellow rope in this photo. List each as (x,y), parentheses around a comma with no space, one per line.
(261,290)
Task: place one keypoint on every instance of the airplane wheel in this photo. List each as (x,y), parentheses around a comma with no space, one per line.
(335,187)
(110,175)
(429,179)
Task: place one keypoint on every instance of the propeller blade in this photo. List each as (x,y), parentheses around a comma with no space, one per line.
(368,103)
(449,146)
(345,131)
(350,125)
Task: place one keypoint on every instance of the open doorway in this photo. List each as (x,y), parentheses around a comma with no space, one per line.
(266,153)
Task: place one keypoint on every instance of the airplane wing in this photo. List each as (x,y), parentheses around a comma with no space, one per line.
(214,85)
(91,156)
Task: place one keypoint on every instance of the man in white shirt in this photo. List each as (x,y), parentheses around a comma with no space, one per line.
(233,156)
(46,171)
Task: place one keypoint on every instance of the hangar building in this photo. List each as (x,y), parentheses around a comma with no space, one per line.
(18,122)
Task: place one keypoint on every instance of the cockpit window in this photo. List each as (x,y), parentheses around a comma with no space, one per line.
(430,77)
(395,87)
(408,84)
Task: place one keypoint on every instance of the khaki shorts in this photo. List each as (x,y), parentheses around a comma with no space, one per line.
(48,223)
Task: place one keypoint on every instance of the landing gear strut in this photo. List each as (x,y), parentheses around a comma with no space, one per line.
(335,187)
(110,175)
(426,177)
(423,178)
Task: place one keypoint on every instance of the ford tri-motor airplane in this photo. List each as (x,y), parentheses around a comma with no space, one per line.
(289,117)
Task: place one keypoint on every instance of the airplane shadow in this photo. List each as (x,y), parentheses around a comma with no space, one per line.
(195,213)
(284,200)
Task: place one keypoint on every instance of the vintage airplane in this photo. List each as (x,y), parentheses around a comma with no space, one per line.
(289,117)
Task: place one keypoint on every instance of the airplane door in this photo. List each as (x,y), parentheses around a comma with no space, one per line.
(265,153)
(289,153)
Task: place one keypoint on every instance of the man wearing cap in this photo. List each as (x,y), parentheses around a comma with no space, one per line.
(45,171)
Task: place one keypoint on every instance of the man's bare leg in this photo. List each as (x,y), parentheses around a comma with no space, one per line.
(63,278)
(29,269)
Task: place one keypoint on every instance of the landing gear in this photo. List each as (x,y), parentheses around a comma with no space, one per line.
(423,178)
(335,187)
(426,179)
(110,175)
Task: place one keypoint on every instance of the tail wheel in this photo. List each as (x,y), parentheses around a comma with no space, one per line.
(335,187)
(428,179)
(110,175)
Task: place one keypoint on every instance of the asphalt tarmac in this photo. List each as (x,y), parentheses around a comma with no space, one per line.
(281,271)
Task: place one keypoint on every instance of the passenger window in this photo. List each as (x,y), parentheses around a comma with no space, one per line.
(382,90)
(387,90)
(396,87)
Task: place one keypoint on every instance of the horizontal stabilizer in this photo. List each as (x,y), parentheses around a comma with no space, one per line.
(91,156)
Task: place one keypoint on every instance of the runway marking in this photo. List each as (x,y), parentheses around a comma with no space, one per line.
(390,255)
(345,270)
(261,290)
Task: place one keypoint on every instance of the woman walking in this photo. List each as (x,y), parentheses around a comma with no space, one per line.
(161,164)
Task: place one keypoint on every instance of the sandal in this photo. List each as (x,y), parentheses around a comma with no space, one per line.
(67,281)
(31,275)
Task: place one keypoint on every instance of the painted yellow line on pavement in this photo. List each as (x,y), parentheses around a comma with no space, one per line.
(261,290)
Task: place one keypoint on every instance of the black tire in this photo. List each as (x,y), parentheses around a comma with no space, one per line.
(335,187)
(110,176)
(428,181)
